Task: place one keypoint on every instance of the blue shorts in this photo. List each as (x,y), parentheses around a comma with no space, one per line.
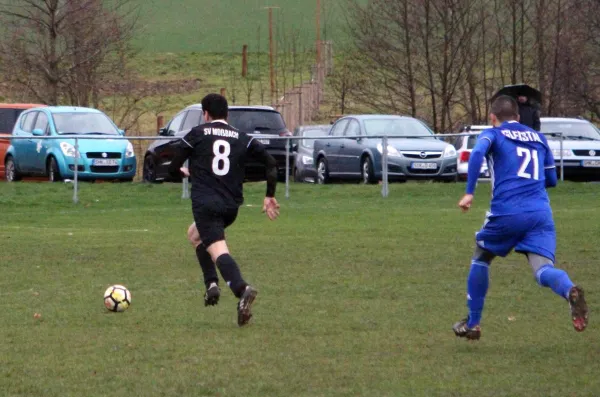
(529,232)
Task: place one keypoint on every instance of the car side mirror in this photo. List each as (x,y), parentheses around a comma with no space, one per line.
(163,132)
(37,132)
(122,132)
(294,147)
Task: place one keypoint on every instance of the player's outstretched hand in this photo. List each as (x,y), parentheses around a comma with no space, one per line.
(185,171)
(271,208)
(465,202)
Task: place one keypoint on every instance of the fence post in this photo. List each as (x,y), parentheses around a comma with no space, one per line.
(75,178)
(384,165)
(287,168)
(185,194)
(159,123)
(562,163)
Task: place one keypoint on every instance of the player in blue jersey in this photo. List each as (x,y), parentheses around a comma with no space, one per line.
(520,217)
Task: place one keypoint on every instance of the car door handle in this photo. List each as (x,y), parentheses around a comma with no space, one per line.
(328,144)
(342,146)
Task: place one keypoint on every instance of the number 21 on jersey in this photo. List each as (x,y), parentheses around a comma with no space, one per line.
(528,156)
(220,163)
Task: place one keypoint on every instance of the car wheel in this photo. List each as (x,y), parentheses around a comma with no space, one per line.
(368,174)
(149,174)
(322,172)
(10,170)
(53,171)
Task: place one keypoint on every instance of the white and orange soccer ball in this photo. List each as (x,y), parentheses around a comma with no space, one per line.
(117,298)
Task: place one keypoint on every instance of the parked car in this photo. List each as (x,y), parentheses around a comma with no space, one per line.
(9,112)
(112,159)
(581,146)
(355,157)
(261,120)
(304,168)
(464,146)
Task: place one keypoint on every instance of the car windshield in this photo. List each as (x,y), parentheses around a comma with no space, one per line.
(310,143)
(84,123)
(576,130)
(397,127)
(250,120)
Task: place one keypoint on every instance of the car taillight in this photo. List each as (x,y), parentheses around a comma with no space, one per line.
(464,156)
(285,133)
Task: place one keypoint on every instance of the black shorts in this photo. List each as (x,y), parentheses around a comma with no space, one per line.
(212,216)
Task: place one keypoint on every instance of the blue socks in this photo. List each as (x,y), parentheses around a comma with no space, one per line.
(477,286)
(556,279)
(478,281)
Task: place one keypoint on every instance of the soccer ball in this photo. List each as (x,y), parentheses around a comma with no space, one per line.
(117,298)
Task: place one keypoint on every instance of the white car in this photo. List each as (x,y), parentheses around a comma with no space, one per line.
(581,146)
(464,146)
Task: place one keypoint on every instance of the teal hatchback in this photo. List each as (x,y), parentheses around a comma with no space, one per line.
(107,158)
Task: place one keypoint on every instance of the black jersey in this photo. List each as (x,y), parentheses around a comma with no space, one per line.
(217,154)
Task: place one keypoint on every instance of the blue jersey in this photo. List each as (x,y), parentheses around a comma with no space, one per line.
(518,158)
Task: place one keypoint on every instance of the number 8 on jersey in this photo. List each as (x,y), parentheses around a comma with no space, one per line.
(220,164)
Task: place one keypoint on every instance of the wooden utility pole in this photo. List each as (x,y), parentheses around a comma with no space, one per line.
(318,43)
(245,60)
(271,53)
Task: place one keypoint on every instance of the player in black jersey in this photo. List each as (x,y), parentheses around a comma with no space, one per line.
(217,154)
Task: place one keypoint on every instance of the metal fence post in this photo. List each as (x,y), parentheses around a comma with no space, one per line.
(76,173)
(287,168)
(562,163)
(384,166)
(185,194)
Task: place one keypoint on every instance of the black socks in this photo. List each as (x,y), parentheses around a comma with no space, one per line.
(206,264)
(231,273)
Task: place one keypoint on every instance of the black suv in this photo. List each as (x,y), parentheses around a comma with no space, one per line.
(257,120)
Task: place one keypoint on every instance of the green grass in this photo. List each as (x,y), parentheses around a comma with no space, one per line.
(357,297)
(217,26)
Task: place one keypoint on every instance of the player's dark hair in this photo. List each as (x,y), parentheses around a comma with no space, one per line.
(216,106)
(505,108)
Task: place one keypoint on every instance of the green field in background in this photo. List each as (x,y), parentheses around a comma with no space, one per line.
(226,25)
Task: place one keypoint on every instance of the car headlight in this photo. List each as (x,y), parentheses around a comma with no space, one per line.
(307,160)
(391,151)
(565,152)
(68,150)
(129,152)
(450,151)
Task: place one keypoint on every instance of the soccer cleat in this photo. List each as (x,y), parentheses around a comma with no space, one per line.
(245,305)
(461,330)
(579,309)
(212,294)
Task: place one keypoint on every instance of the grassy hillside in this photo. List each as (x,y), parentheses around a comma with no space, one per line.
(224,25)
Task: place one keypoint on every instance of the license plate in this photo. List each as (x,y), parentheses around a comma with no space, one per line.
(424,166)
(106,162)
(591,163)
(264,141)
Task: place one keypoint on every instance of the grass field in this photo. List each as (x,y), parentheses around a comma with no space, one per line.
(357,297)
(202,25)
